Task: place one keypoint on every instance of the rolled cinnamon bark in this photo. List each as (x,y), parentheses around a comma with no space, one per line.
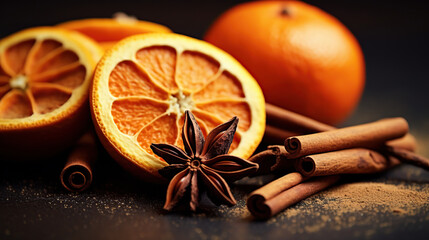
(77,172)
(352,161)
(256,203)
(370,135)
(294,122)
(407,142)
(284,192)
(348,161)
(407,156)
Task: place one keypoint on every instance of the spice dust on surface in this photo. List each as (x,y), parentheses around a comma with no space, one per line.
(358,204)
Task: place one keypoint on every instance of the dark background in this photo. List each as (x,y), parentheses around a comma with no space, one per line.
(33,205)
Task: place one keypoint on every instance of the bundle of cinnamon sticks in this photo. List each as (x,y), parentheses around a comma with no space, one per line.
(318,157)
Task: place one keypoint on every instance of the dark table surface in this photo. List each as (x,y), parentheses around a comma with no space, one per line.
(394,39)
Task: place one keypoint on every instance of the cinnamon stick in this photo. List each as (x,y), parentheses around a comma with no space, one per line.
(284,192)
(352,161)
(409,157)
(276,135)
(77,172)
(370,135)
(348,161)
(294,122)
(279,119)
(275,158)
(407,142)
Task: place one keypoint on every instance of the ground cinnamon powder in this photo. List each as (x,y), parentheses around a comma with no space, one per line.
(378,197)
(377,205)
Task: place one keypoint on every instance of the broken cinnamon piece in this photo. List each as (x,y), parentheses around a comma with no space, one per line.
(269,158)
(76,175)
(291,121)
(284,192)
(369,135)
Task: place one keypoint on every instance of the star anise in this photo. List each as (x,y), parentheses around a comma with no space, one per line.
(204,165)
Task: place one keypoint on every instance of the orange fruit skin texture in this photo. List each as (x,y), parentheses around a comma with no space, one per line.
(102,30)
(304,59)
(45,141)
(107,32)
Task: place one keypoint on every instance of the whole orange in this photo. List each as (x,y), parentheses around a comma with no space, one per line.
(304,59)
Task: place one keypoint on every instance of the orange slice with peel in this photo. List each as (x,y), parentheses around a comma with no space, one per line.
(107,31)
(144,84)
(45,74)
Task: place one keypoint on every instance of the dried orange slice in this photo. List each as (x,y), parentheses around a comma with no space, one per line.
(45,74)
(107,31)
(143,85)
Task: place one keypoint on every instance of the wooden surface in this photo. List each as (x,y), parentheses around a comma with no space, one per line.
(33,204)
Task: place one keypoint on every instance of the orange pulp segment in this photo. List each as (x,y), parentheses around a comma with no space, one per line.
(143,85)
